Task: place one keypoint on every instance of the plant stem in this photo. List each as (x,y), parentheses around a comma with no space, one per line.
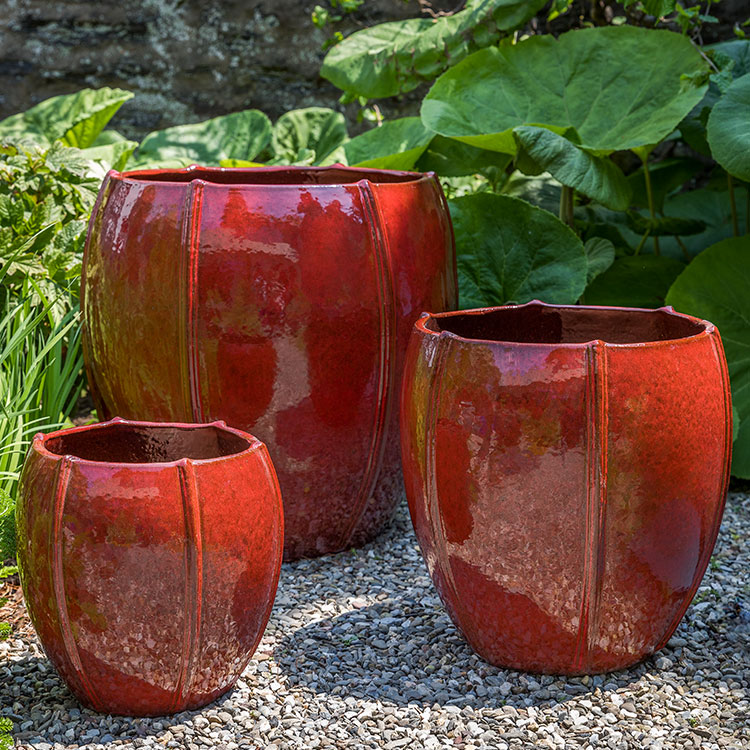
(567,195)
(650,195)
(733,204)
(683,248)
(642,242)
(563,212)
(571,206)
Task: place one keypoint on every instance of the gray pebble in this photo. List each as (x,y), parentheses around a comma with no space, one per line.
(359,653)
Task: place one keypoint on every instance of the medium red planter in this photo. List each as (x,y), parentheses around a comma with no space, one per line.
(280,300)
(149,558)
(566,470)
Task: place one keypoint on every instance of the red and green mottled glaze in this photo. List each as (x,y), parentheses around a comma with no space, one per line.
(566,470)
(149,581)
(280,300)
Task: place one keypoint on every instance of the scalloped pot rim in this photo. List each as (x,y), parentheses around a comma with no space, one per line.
(364,174)
(40,440)
(708,328)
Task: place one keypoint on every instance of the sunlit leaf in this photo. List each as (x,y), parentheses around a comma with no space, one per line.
(241,135)
(511,251)
(602,82)
(395,57)
(396,144)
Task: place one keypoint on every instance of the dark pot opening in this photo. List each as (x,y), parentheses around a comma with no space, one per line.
(146,444)
(539,324)
(273,176)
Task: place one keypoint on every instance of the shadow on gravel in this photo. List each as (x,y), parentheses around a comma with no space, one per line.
(403,654)
(405,650)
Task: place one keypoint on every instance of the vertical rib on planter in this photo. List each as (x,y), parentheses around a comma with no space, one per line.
(191,642)
(566,470)
(189,247)
(149,556)
(386,366)
(596,500)
(68,640)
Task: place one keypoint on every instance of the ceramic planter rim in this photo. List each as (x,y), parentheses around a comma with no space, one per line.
(39,443)
(368,175)
(707,327)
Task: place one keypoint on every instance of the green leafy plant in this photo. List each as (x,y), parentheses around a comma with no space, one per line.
(508,249)
(636,137)
(7,525)
(396,57)
(77,120)
(6,738)
(52,159)
(46,194)
(40,382)
(323,16)
(715,287)
(238,136)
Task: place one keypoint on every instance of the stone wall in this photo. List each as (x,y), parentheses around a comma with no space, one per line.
(186,60)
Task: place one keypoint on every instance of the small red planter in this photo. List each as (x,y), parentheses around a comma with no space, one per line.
(149,558)
(566,470)
(280,300)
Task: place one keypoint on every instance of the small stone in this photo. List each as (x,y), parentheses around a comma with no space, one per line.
(395,673)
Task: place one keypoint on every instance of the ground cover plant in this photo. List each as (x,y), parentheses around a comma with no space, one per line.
(604,165)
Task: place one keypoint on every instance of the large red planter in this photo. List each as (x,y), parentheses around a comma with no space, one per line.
(280,300)
(566,470)
(149,558)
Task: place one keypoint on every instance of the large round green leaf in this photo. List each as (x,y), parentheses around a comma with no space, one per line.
(714,209)
(729,129)
(736,52)
(634,281)
(396,144)
(617,87)
(510,251)
(241,135)
(600,255)
(75,119)
(451,158)
(715,287)
(394,57)
(317,129)
(597,177)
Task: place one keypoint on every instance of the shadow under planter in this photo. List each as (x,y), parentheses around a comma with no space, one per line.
(566,470)
(149,557)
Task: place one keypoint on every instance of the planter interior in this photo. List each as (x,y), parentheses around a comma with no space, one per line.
(531,324)
(281,176)
(133,444)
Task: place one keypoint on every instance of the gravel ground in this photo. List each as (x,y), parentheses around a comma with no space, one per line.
(360,654)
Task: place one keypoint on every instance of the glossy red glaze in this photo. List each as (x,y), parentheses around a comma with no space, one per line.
(149,558)
(566,470)
(280,300)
